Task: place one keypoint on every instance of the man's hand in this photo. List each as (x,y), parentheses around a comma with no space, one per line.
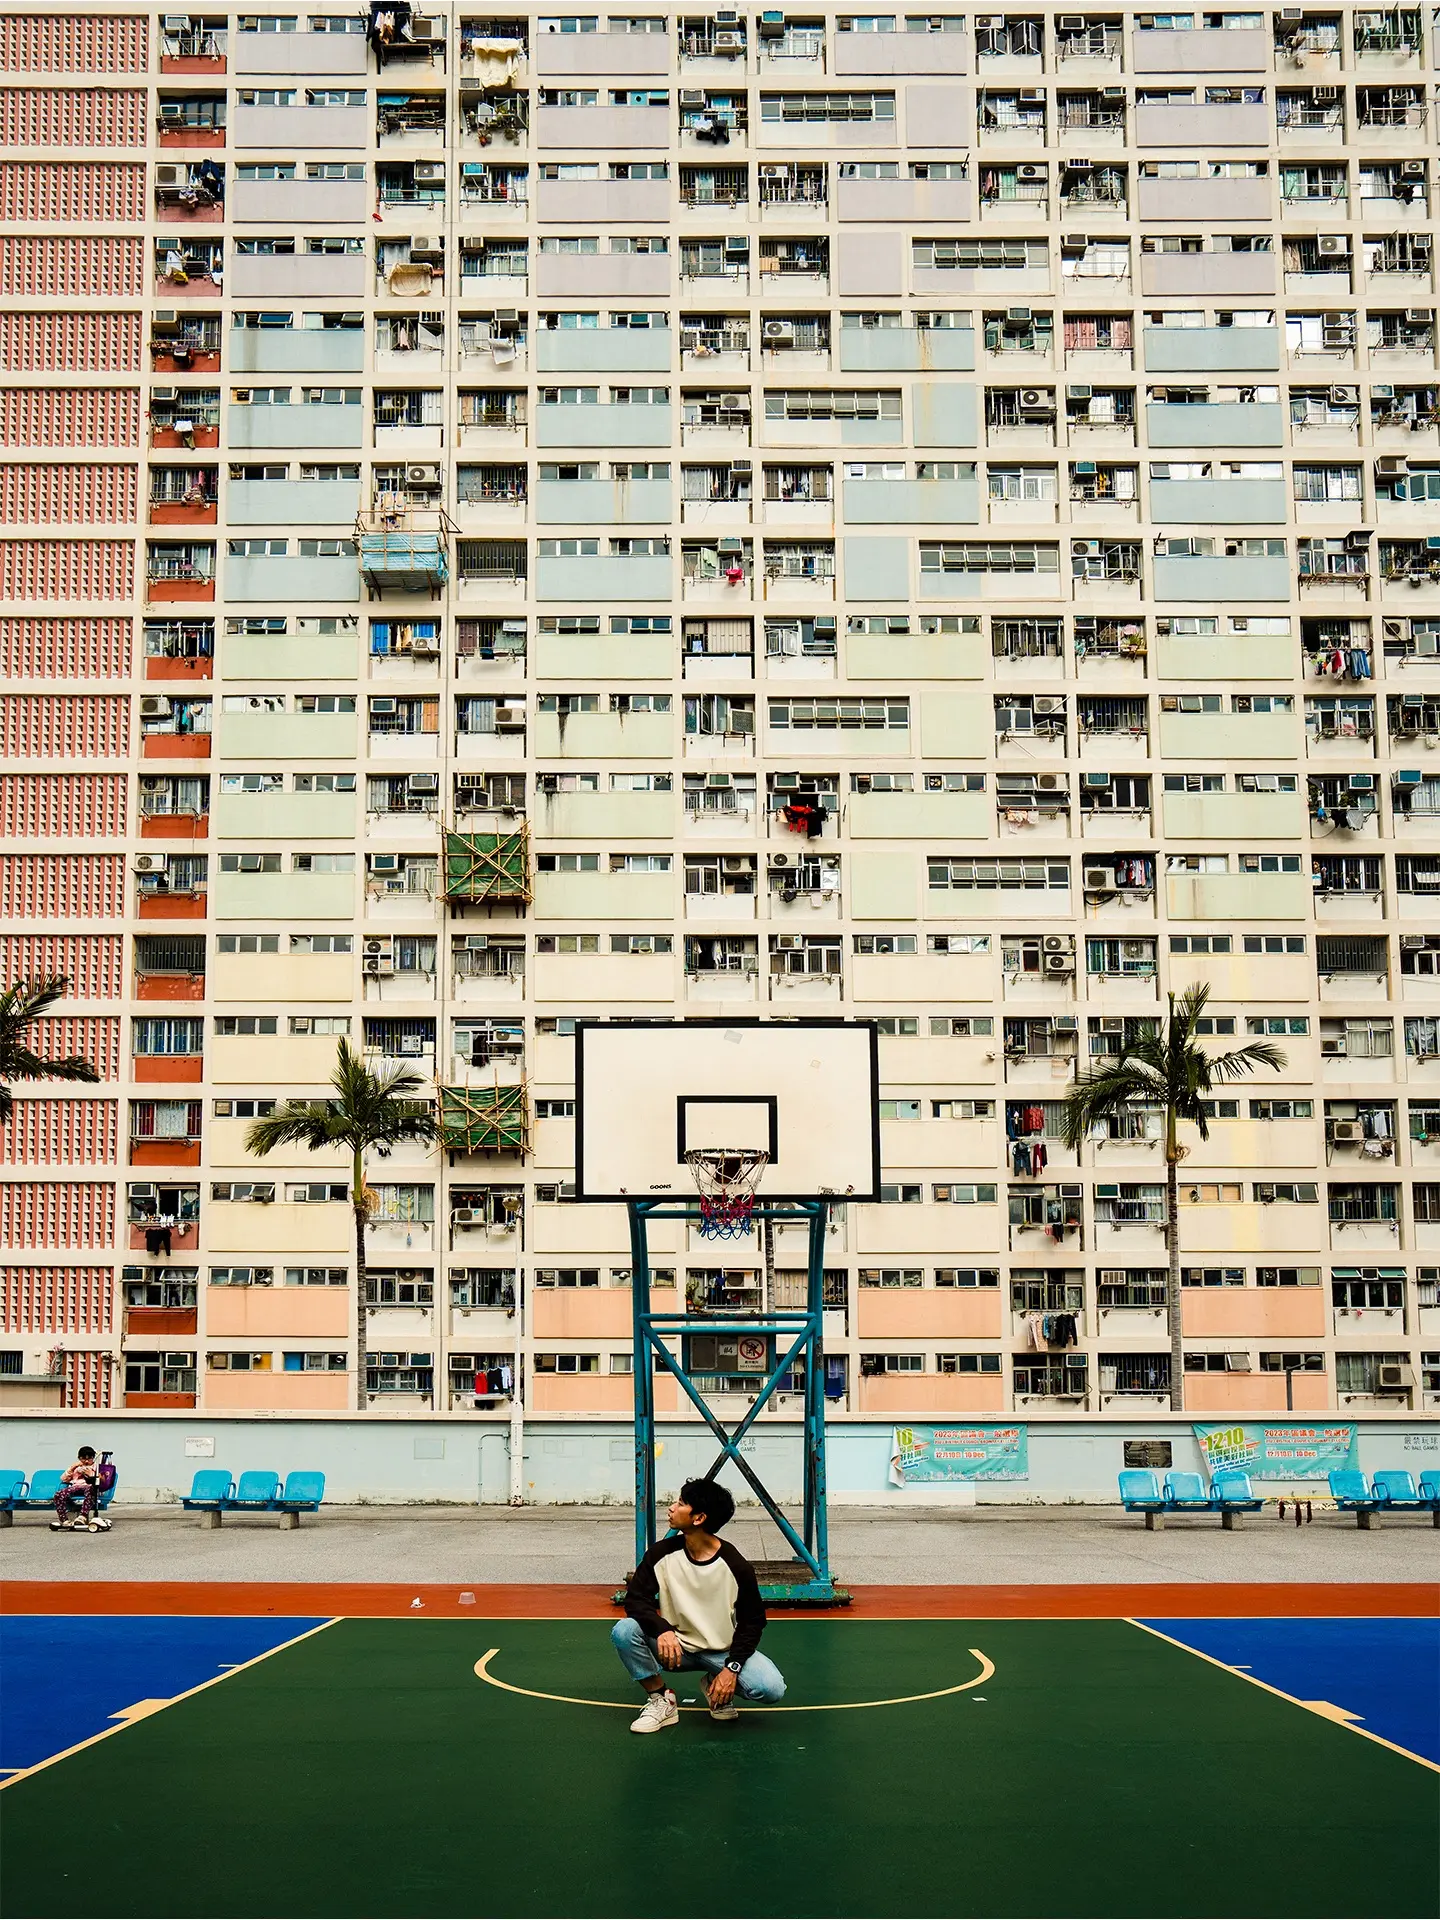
(721,1689)
(669,1649)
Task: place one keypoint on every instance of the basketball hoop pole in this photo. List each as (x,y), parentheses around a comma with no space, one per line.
(797,1335)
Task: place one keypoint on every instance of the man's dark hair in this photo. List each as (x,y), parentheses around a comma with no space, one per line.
(711,1499)
(88,1453)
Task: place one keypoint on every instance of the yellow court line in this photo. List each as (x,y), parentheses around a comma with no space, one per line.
(987,1669)
(146,1709)
(1337,1715)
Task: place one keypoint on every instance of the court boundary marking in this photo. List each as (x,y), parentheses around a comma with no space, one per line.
(1322,1709)
(987,1670)
(146,1709)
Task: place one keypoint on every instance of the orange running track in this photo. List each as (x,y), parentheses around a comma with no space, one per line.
(1155,1600)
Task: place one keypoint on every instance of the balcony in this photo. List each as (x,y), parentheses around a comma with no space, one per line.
(404,552)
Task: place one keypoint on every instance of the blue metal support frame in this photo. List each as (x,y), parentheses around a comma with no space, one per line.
(799,1336)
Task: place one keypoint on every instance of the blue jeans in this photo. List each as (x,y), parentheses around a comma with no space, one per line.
(758,1679)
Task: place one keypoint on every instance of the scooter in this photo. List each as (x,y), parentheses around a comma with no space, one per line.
(97,1522)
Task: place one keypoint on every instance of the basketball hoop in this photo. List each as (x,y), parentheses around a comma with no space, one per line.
(726,1179)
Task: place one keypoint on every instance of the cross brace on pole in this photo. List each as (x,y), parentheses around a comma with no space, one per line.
(798,1336)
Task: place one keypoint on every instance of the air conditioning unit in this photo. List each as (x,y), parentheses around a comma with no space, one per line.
(1080,393)
(429,173)
(1381,392)
(1084,547)
(423,783)
(1333,1048)
(789,942)
(1029,172)
(740,466)
(692,96)
(778,333)
(728,41)
(1049,782)
(170,179)
(468,1217)
(1346,1132)
(1074,242)
(384,863)
(737,243)
(1344,396)
(1059,963)
(1362,783)
(1051,703)
(378,965)
(1391,466)
(1394,1379)
(1036,400)
(151,862)
(427,247)
(1412,942)
(1096,782)
(422,476)
(1419,316)
(509,716)
(1111,1023)
(1065,1023)
(155,706)
(1099,879)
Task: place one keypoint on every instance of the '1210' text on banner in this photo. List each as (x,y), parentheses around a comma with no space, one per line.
(1300,1452)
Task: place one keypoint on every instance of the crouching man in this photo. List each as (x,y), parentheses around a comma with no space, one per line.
(694,1603)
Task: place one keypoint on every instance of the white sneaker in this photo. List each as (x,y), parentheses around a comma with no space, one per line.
(659,1711)
(728,1712)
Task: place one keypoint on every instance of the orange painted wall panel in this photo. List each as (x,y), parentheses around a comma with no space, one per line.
(279,1392)
(279,1313)
(909,1394)
(963,1313)
(1254,1392)
(1242,1313)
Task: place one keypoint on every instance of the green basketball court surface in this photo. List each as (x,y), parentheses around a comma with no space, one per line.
(202,1764)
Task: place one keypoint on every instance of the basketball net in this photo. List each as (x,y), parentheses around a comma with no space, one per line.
(726,1179)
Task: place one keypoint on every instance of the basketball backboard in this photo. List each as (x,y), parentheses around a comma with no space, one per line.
(647,1092)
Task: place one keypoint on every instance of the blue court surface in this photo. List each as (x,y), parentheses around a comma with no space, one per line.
(1384,1675)
(64,1679)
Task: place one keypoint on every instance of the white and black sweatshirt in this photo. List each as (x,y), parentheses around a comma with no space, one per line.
(714,1605)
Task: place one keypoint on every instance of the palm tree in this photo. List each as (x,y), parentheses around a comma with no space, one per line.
(370,1113)
(1165,1068)
(21,1006)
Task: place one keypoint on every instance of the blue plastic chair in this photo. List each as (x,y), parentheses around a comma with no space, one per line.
(12,1494)
(1140,1493)
(42,1491)
(1351,1493)
(1430,1494)
(302,1493)
(1396,1492)
(209,1490)
(1231,1494)
(1185,1493)
(254,1492)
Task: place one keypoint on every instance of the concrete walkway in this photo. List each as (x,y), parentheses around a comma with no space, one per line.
(982,1546)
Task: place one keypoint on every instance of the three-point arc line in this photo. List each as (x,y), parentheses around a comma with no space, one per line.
(987,1669)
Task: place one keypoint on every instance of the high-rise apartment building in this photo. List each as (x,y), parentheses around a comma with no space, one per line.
(923,517)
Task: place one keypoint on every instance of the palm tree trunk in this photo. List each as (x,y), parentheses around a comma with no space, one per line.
(357,1201)
(1172,1284)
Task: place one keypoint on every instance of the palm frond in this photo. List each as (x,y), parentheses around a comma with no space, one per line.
(1164,1066)
(369,1113)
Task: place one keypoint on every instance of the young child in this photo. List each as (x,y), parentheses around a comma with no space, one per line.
(694,1602)
(84,1477)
